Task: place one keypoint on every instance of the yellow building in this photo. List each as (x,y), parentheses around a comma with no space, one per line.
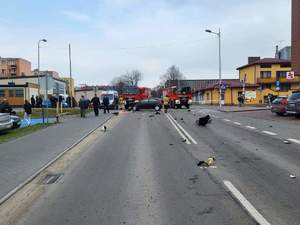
(271,76)
(231,90)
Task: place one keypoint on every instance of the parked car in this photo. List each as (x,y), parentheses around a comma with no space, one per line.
(279,105)
(293,106)
(16,121)
(151,103)
(6,122)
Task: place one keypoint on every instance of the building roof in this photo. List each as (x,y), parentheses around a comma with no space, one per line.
(229,84)
(29,76)
(265,61)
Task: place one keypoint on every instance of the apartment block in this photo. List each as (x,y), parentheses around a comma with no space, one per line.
(14,67)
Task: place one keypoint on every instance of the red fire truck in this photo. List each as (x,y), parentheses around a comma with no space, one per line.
(179,97)
(134,94)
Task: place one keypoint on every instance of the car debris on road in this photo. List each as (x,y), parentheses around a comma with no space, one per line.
(209,162)
(202,121)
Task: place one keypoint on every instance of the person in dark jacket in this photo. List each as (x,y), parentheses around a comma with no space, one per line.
(106,104)
(27,112)
(5,107)
(32,101)
(96,104)
(82,106)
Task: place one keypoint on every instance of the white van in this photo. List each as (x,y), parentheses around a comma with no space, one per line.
(112,96)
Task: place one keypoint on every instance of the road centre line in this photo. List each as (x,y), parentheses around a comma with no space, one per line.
(237,123)
(246,204)
(183,130)
(269,132)
(179,131)
(227,120)
(294,141)
(252,128)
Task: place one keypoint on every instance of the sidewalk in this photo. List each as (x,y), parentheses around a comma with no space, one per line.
(233,108)
(21,158)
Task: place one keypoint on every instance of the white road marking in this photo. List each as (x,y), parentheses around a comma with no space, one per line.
(179,131)
(269,132)
(227,120)
(252,128)
(237,123)
(183,130)
(294,140)
(246,204)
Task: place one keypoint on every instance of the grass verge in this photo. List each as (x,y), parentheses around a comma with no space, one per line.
(16,133)
(37,112)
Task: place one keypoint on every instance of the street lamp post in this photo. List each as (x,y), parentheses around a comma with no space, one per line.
(39,42)
(220,64)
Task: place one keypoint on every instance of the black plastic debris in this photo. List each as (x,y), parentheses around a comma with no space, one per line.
(286,142)
(115,113)
(202,121)
(157,113)
(171,144)
(151,116)
(184,140)
(181,118)
(188,110)
(292,176)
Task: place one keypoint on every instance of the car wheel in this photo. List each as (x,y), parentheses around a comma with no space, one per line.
(279,114)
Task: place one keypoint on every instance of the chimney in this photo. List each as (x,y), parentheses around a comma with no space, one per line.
(277,52)
(253,59)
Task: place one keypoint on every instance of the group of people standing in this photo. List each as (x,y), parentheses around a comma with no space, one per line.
(84,104)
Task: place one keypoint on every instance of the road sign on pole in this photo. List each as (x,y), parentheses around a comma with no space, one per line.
(277,84)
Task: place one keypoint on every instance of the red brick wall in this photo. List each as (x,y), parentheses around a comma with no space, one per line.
(296,36)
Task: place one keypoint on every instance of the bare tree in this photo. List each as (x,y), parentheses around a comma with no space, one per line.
(133,78)
(172,74)
(118,83)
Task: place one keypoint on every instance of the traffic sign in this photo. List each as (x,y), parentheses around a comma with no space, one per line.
(277,84)
(290,75)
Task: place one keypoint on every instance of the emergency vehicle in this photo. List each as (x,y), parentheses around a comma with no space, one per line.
(133,94)
(178,97)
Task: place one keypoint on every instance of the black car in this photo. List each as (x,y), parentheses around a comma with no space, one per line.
(151,103)
(293,104)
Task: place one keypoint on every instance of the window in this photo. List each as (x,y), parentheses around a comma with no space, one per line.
(19,92)
(265,74)
(285,87)
(281,74)
(266,86)
(2,93)
(266,66)
(11,93)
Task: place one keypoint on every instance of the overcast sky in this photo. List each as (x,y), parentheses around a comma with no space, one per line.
(110,37)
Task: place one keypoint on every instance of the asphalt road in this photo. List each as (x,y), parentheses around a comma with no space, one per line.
(142,172)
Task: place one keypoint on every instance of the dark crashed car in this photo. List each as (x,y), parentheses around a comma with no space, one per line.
(151,103)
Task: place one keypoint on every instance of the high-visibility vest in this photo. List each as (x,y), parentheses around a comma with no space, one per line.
(166,100)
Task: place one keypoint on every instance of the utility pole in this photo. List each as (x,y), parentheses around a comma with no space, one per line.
(70,65)
(220,64)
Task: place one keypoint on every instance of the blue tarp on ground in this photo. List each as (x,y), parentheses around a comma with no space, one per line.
(36,121)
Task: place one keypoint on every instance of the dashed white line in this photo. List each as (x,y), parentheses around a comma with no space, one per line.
(294,140)
(250,127)
(237,123)
(269,132)
(246,204)
(227,120)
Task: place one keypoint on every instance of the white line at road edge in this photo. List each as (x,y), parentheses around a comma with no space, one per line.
(252,128)
(294,140)
(246,204)
(237,123)
(184,131)
(181,134)
(269,132)
(227,120)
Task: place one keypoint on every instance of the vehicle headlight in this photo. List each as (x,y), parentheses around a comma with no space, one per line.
(190,101)
(177,101)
